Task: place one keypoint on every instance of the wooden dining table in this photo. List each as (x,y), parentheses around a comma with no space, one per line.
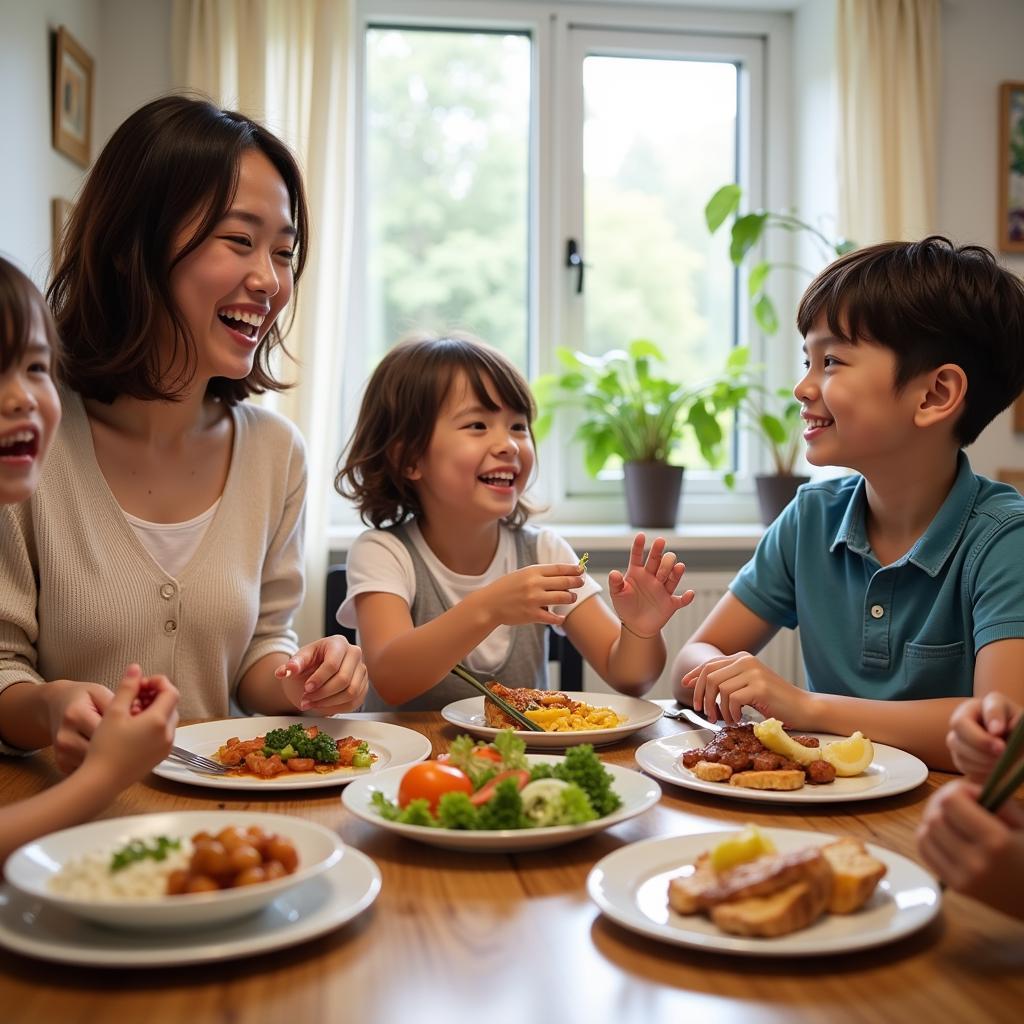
(490,938)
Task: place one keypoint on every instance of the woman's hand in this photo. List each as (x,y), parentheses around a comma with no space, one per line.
(137,728)
(74,711)
(976,733)
(526,595)
(973,851)
(327,677)
(644,598)
(723,686)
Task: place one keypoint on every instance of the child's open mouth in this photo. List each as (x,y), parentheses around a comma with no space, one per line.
(242,321)
(19,446)
(500,479)
(815,425)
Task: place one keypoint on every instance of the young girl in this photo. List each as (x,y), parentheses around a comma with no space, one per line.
(438,463)
(125,745)
(167,527)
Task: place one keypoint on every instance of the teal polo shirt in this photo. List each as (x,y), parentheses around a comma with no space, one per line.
(906,631)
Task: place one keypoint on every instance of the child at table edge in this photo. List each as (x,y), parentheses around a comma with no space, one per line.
(905,577)
(130,739)
(451,573)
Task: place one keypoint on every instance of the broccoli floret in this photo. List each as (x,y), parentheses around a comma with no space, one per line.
(575,809)
(416,813)
(582,766)
(505,808)
(323,748)
(278,739)
(544,770)
(456,810)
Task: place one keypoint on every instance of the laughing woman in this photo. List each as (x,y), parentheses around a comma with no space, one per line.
(167,527)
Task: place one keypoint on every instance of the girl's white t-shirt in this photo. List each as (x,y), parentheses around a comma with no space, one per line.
(172,545)
(378,562)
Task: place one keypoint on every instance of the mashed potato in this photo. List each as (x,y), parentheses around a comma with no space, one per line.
(585,716)
(89,877)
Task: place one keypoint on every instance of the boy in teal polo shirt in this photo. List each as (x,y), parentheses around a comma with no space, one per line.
(907,579)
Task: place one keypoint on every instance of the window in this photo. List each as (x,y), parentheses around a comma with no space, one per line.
(490,134)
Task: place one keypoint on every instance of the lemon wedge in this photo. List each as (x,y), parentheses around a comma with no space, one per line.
(740,848)
(850,756)
(775,738)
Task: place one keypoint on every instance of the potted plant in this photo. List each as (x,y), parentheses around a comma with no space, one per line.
(629,410)
(773,415)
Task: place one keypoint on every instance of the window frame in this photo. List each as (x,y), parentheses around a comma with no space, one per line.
(552,27)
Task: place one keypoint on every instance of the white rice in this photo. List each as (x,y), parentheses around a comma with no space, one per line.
(89,877)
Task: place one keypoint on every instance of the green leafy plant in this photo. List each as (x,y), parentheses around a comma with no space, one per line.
(631,411)
(772,414)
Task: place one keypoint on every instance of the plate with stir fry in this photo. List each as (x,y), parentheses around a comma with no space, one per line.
(293,753)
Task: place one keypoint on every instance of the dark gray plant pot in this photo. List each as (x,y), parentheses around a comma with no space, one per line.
(775,492)
(652,493)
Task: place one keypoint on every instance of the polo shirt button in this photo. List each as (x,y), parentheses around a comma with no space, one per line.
(167,591)
(170,627)
(877,611)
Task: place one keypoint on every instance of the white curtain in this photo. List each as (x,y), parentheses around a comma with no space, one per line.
(287,63)
(888,73)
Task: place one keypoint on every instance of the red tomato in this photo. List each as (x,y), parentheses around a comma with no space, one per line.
(429,781)
(486,791)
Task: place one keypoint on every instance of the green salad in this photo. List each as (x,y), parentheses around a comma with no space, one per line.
(479,785)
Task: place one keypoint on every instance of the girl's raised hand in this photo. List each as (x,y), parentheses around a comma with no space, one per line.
(644,598)
(526,595)
(327,677)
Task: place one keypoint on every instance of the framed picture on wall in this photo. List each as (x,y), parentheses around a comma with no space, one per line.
(72,98)
(1011,167)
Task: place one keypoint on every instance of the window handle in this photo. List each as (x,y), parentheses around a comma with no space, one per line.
(573,258)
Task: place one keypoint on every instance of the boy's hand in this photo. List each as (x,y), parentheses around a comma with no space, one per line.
(327,677)
(644,598)
(723,686)
(74,710)
(972,851)
(525,596)
(127,742)
(977,731)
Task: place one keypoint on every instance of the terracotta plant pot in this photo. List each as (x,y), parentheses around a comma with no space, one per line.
(652,493)
(775,492)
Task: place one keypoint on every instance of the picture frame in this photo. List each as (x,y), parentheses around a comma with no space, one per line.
(60,210)
(72,98)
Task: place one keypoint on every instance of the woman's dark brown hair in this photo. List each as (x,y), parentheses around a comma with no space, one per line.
(20,301)
(174,160)
(401,405)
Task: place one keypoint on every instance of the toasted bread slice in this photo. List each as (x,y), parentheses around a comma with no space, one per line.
(711,771)
(768,875)
(855,873)
(785,779)
(794,907)
(685,893)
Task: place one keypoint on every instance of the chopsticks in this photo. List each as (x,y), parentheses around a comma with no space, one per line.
(1005,779)
(463,673)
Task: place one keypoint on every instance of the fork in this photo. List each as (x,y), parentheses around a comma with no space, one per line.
(197,761)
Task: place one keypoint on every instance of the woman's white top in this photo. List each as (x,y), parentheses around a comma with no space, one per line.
(172,545)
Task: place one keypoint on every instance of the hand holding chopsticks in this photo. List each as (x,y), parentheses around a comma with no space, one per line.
(463,673)
(1008,773)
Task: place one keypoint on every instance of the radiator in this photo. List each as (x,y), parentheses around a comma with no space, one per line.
(782,655)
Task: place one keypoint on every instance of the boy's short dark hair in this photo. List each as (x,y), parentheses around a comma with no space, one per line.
(930,302)
(173,159)
(20,301)
(400,407)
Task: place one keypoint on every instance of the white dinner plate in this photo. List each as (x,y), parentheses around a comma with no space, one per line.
(637,792)
(631,887)
(32,867)
(392,744)
(892,771)
(33,928)
(468,714)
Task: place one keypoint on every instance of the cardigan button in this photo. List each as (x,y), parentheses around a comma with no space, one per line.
(170,627)
(167,591)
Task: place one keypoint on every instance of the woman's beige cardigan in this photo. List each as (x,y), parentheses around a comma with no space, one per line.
(80,597)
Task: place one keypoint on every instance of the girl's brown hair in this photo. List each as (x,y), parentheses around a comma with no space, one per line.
(20,301)
(173,160)
(401,405)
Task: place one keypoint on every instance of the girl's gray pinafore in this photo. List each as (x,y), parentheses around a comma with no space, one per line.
(526,662)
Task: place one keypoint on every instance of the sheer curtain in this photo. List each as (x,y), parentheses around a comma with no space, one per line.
(287,63)
(888,75)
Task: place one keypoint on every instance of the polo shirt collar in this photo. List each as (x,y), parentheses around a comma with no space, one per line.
(935,546)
